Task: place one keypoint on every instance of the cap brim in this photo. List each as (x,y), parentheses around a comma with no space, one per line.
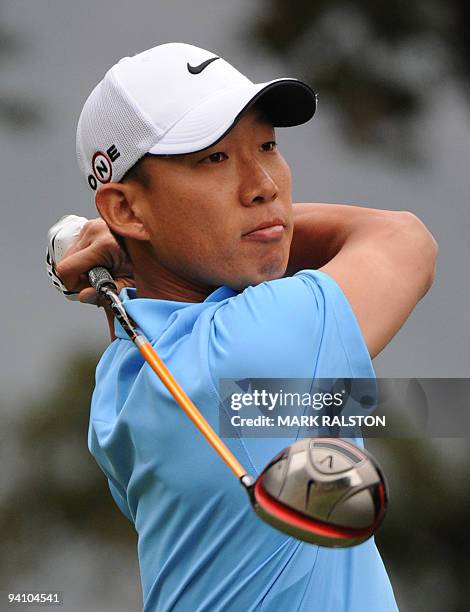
(287,102)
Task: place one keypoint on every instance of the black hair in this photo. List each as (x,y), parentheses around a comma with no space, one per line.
(138,174)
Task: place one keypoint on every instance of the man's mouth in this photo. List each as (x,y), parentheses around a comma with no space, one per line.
(267,231)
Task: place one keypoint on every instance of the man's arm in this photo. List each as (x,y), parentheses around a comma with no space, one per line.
(384,261)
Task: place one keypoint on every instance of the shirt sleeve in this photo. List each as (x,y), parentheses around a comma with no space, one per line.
(301,327)
(297,327)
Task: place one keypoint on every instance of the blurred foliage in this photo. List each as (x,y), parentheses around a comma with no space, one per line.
(59,483)
(16,111)
(57,489)
(10,45)
(424,541)
(377,63)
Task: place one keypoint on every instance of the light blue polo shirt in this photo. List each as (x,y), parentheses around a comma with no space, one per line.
(201,547)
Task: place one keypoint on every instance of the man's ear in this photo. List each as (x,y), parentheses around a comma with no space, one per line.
(118,205)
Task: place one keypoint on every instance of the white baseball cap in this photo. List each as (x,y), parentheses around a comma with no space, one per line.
(174,99)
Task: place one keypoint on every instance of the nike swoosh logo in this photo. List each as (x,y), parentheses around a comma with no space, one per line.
(200,68)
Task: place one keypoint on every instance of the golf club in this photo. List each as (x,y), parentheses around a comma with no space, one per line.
(320,490)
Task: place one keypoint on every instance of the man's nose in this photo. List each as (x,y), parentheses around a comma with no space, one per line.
(257,185)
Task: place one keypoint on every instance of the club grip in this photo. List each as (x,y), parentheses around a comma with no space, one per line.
(100,277)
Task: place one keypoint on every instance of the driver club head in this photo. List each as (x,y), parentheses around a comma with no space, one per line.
(324,491)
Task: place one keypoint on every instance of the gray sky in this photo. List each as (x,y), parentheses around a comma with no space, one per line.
(69,46)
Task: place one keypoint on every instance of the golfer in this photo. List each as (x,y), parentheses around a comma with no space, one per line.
(228,279)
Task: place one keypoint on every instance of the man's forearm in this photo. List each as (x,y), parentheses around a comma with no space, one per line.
(321,230)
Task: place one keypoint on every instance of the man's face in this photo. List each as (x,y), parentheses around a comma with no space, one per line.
(200,209)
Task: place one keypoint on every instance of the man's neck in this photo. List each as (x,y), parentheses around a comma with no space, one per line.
(158,282)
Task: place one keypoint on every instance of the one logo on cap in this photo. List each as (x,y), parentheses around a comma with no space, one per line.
(200,68)
(102,166)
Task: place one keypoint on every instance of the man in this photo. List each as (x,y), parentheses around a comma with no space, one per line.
(231,281)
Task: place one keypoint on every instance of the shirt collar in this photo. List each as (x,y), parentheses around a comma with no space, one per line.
(151,314)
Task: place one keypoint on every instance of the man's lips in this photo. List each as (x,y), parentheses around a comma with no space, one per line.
(267,231)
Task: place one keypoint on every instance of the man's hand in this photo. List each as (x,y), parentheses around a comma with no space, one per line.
(72,256)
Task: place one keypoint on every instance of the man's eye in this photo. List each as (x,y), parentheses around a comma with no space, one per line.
(215,158)
(269,146)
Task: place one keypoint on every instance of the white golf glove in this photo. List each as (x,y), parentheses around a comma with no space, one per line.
(59,238)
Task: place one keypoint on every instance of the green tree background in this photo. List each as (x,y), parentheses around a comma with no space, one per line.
(60,495)
(378,63)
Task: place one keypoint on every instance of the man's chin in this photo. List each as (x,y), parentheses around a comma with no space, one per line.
(256,279)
